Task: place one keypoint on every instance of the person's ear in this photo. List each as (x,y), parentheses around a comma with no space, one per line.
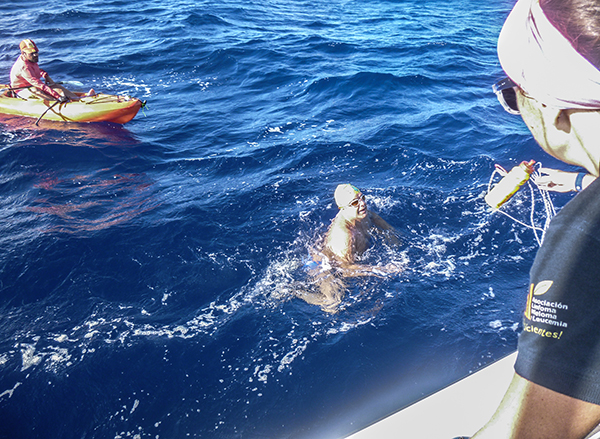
(562,121)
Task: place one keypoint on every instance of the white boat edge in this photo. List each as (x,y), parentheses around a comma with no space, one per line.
(459,409)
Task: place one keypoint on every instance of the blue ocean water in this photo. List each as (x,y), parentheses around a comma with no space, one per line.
(147,270)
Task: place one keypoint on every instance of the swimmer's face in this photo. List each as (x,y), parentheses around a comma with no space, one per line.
(358,206)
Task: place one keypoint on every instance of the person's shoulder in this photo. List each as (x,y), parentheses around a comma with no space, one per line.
(338,238)
(17,67)
(19,61)
(338,228)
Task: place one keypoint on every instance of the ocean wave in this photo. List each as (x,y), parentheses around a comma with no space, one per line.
(161,260)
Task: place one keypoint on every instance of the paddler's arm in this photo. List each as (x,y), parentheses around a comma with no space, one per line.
(27,76)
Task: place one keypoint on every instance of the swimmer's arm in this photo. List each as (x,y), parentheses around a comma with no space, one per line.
(380,222)
(356,270)
(391,236)
(337,244)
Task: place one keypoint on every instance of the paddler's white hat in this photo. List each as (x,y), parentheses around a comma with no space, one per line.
(28,46)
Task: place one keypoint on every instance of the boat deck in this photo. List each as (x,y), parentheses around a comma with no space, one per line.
(457,410)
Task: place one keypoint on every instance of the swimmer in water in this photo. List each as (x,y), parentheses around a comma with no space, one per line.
(350,232)
(348,237)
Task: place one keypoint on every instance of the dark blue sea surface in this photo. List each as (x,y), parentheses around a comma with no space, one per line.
(147,271)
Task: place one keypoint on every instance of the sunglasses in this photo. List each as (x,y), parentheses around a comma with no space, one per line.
(506,91)
(354,203)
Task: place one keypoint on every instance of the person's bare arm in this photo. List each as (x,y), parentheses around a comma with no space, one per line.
(356,270)
(532,411)
(390,233)
(560,181)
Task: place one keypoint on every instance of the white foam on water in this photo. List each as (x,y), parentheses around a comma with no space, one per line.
(10,392)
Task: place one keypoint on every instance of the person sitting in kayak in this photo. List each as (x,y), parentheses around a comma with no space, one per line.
(25,77)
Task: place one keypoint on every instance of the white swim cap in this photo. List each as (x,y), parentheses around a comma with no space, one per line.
(344,194)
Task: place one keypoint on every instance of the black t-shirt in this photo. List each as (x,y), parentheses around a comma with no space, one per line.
(559,347)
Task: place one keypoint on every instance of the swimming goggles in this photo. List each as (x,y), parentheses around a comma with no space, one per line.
(354,202)
(506,91)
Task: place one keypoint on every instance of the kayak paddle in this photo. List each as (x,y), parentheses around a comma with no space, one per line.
(44,113)
(76,83)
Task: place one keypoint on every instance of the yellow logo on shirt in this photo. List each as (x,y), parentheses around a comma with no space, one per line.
(542,287)
(536,290)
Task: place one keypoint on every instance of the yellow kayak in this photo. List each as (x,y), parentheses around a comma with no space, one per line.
(98,108)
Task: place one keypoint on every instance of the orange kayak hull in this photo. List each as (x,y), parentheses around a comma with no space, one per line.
(99,108)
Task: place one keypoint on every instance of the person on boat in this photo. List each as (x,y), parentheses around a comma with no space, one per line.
(26,73)
(348,236)
(550,49)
